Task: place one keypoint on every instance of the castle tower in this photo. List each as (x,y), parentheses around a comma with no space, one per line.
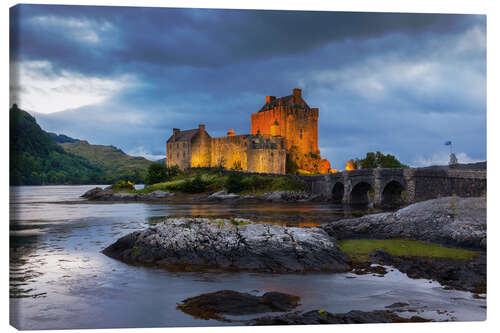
(291,118)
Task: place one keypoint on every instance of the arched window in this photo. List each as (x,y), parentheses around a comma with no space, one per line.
(301,131)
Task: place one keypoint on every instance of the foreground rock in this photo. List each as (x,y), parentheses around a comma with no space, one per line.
(453,221)
(108,194)
(467,275)
(237,244)
(324,317)
(214,305)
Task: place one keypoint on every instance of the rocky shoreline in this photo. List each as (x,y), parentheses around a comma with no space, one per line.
(107,194)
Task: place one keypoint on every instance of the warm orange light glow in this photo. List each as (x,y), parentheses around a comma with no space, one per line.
(334,170)
(230,132)
(350,166)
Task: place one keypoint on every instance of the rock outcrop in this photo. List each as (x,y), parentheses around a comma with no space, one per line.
(467,275)
(451,221)
(236,244)
(107,194)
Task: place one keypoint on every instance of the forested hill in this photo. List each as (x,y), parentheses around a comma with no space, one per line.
(38,157)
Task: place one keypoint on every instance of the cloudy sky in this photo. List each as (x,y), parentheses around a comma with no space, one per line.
(399,83)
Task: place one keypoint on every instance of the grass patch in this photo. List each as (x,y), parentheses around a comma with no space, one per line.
(239,223)
(200,181)
(218,222)
(359,249)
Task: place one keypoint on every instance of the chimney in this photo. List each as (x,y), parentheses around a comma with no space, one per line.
(270,99)
(297,92)
(201,127)
(176,131)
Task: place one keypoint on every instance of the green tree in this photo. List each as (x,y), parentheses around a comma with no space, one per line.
(156,173)
(378,160)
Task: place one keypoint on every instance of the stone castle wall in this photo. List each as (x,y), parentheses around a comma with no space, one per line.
(229,150)
(179,153)
(264,160)
(201,150)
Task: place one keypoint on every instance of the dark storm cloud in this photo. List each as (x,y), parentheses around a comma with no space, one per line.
(194,37)
(400,83)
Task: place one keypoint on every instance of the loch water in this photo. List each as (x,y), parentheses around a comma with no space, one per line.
(59,279)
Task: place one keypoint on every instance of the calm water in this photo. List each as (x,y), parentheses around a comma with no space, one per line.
(59,278)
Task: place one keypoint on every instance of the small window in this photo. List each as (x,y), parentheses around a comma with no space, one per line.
(301,133)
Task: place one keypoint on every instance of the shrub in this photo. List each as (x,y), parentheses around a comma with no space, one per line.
(290,166)
(235,183)
(123,186)
(172,172)
(195,185)
(156,173)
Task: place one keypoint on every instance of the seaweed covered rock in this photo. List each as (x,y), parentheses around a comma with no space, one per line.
(236,244)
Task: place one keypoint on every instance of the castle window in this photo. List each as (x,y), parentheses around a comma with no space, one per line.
(301,133)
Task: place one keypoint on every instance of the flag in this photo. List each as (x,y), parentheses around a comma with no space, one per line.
(447,143)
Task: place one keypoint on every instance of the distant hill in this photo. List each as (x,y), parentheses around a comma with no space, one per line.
(35,158)
(38,157)
(116,165)
(61,138)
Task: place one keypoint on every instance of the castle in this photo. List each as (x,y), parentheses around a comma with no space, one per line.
(285,128)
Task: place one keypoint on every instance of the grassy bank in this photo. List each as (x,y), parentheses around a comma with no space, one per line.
(201,181)
(359,249)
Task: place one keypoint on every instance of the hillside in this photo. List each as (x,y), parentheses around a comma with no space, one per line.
(116,165)
(36,159)
(42,158)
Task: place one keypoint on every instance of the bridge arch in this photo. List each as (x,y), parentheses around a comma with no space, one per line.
(361,193)
(338,192)
(392,194)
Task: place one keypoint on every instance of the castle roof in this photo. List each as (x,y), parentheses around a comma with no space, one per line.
(290,101)
(186,135)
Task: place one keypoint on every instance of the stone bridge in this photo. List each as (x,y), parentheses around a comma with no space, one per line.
(392,187)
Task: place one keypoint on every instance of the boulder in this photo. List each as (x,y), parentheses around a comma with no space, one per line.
(222,195)
(451,221)
(214,305)
(236,244)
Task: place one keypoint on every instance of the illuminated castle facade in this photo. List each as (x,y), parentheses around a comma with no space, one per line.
(284,128)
